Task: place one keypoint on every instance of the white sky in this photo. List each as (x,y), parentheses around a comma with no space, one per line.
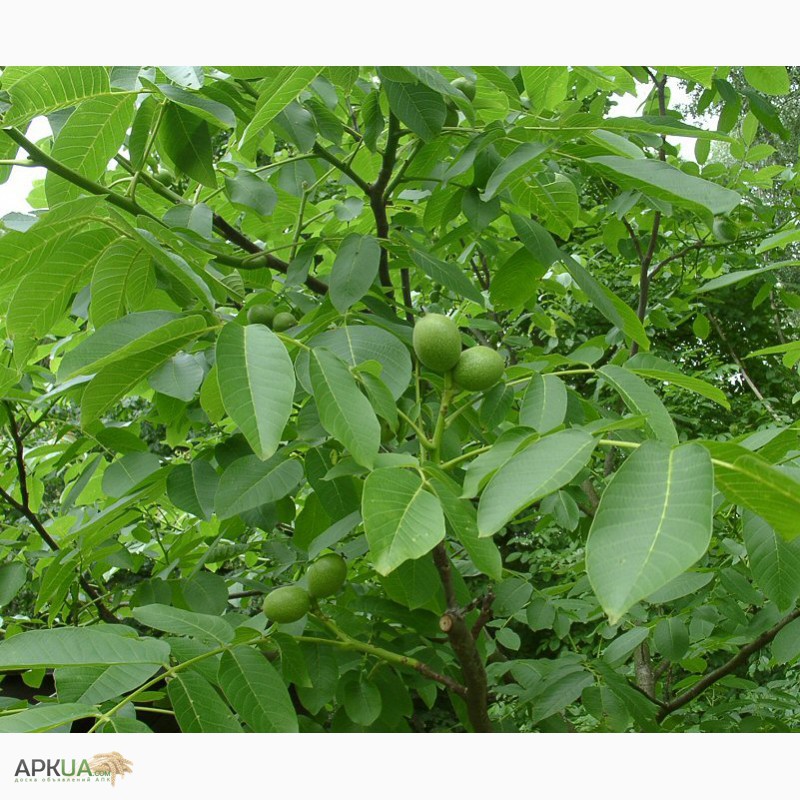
(13,193)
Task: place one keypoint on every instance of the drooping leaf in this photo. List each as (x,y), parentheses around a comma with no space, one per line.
(544,404)
(343,410)
(204,627)
(402,519)
(74,647)
(90,138)
(250,482)
(354,270)
(192,487)
(198,707)
(641,399)
(531,474)
(256,381)
(666,182)
(652,524)
(775,563)
(40,90)
(256,691)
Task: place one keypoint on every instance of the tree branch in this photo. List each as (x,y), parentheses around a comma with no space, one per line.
(756,391)
(463,644)
(378,202)
(25,509)
(728,667)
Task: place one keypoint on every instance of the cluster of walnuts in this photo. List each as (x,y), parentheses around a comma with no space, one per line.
(437,344)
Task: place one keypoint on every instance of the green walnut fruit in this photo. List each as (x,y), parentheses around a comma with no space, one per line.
(725,230)
(164,176)
(326,575)
(260,314)
(466,86)
(283,321)
(478,368)
(437,342)
(451,119)
(287,604)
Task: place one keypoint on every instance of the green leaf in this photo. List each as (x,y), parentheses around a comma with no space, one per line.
(361,699)
(749,481)
(42,90)
(354,270)
(775,564)
(780,239)
(250,482)
(343,410)
(75,647)
(135,333)
(45,717)
(355,344)
(185,140)
(280,88)
(786,645)
(770,80)
(546,86)
(97,684)
(402,520)
(449,275)
(414,584)
(119,377)
(204,627)
(417,106)
(541,245)
(665,182)
(544,405)
(213,112)
(43,296)
(180,377)
(256,691)
(249,192)
(122,279)
(12,579)
(128,472)
(652,524)
(619,650)
(641,399)
(462,518)
(513,169)
(536,471)
(554,201)
(46,243)
(256,381)
(671,638)
(90,138)
(192,487)
(198,707)
(647,366)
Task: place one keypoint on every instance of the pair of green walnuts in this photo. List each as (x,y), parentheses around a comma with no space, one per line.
(437,344)
(290,603)
(261,314)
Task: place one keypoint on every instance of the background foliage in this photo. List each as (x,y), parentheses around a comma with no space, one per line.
(602,541)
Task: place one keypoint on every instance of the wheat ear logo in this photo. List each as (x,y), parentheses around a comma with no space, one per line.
(113,764)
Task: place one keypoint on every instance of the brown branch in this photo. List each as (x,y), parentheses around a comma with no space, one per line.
(645,679)
(464,647)
(229,232)
(344,168)
(25,509)
(485,615)
(378,201)
(756,391)
(729,666)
